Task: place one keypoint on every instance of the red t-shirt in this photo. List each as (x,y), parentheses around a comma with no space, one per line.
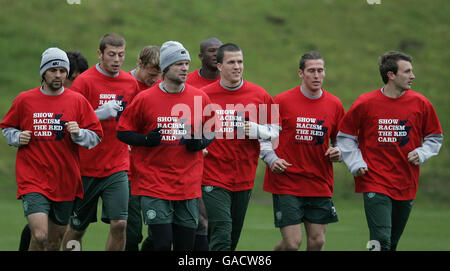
(194,79)
(111,155)
(142,85)
(168,171)
(232,157)
(388,129)
(307,127)
(50,164)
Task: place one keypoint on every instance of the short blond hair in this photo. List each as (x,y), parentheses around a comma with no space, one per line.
(150,56)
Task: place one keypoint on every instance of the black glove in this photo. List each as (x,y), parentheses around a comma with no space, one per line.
(153,138)
(193,144)
(134,139)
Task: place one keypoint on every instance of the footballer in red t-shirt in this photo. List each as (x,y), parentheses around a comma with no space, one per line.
(232,159)
(299,172)
(48,124)
(165,126)
(384,137)
(109,90)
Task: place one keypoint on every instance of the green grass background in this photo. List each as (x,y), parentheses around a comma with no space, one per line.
(350,34)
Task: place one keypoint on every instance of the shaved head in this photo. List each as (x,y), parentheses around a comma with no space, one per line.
(208,42)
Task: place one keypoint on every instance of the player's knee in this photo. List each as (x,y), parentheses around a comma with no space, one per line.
(54,245)
(118,226)
(316,242)
(292,244)
(40,237)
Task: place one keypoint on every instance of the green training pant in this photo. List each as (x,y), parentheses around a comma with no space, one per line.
(226,212)
(134,223)
(386,218)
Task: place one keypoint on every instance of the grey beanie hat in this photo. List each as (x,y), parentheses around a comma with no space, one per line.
(171,52)
(54,57)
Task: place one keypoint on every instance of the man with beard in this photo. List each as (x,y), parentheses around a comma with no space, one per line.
(157,125)
(78,64)
(48,124)
(384,138)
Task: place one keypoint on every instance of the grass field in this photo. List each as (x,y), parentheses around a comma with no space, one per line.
(427,229)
